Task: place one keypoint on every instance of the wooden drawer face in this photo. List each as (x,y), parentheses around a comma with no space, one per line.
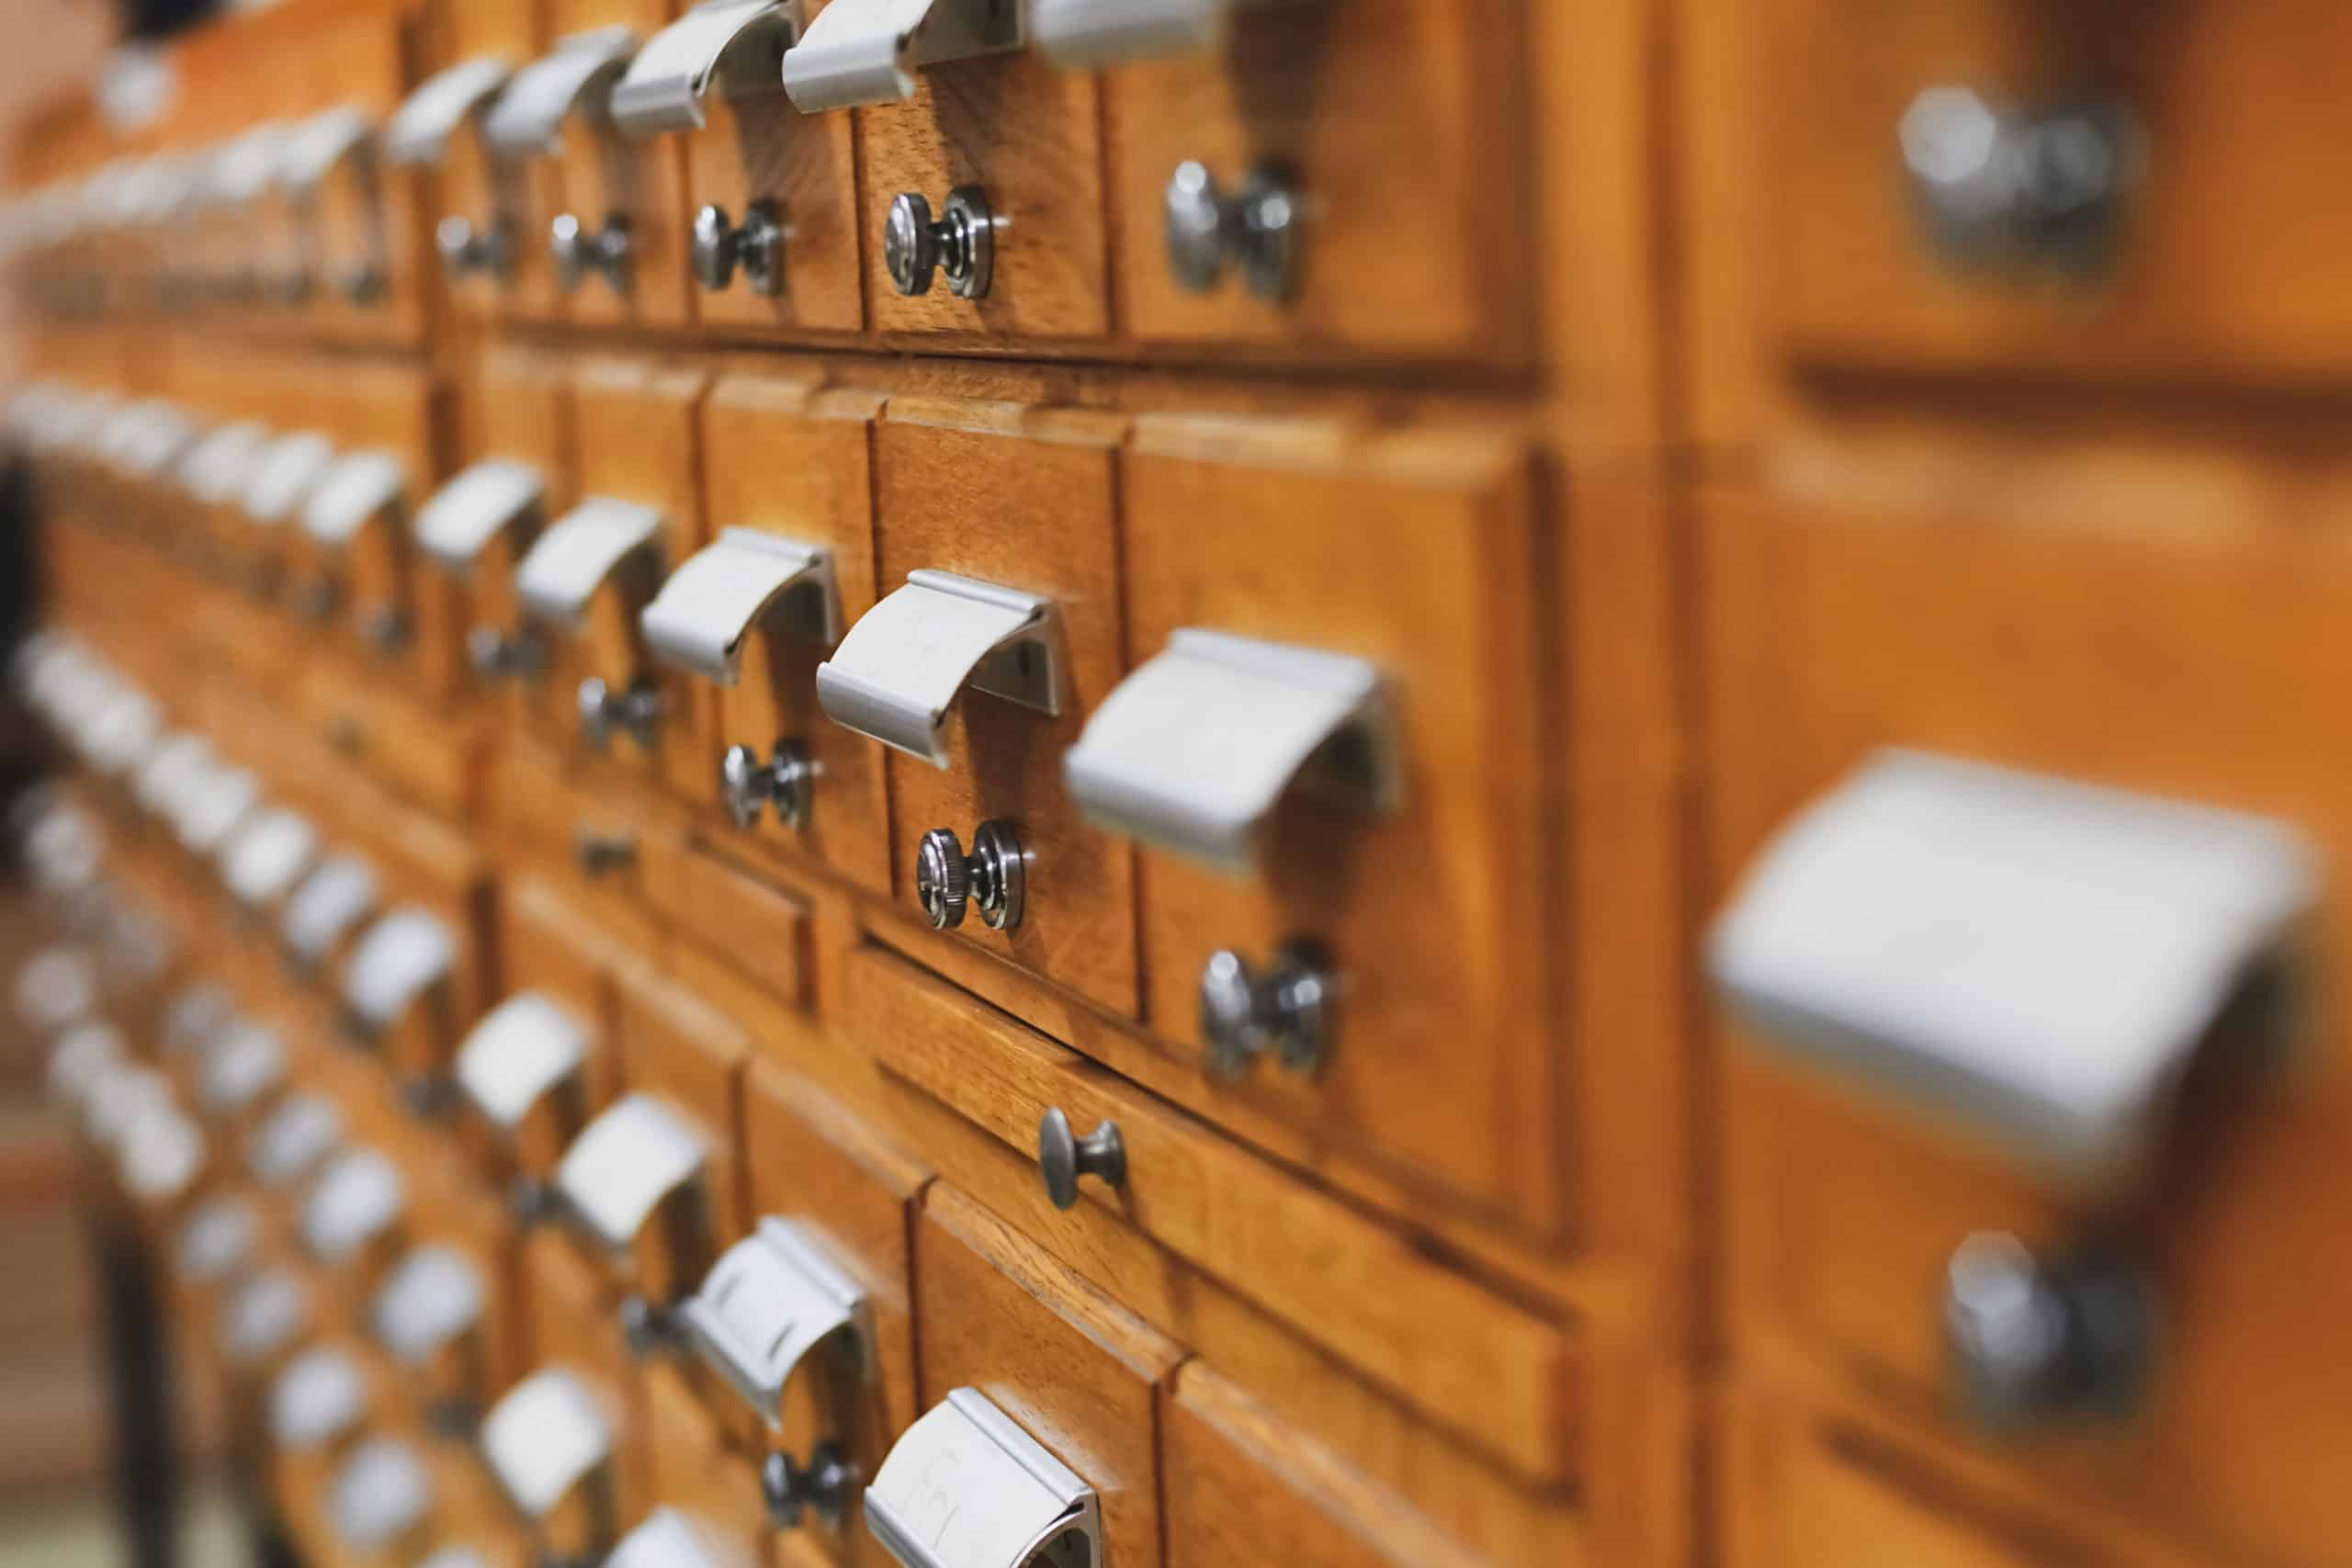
(760,153)
(396,411)
(592,844)
(546,948)
(1853,277)
(1070,1368)
(1440,935)
(476,1369)
(517,409)
(467,183)
(678,1048)
(763,931)
(1028,137)
(1836,630)
(694,1471)
(781,459)
(1036,517)
(365,220)
(568,1324)
(811,1163)
(642,183)
(1389,124)
(413,751)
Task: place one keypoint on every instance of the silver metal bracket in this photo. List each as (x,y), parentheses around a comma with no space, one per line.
(735,45)
(267,856)
(293,1139)
(399,958)
(244,1068)
(577,77)
(966,1487)
(587,547)
(625,1164)
(521,1052)
(420,130)
(285,474)
(358,1198)
(266,1315)
(319,1396)
(221,465)
(772,1300)
(866,52)
(433,1298)
(488,500)
(708,606)
(329,904)
(667,1538)
(356,489)
(317,146)
(1194,750)
(381,1494)
(215,805)
(907,661)
(217,1241)
(545,1440)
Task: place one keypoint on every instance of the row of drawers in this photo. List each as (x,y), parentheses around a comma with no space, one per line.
(1291,180)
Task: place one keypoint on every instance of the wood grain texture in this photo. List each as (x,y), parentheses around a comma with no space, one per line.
(606,176)
(685,1053)
(804,168)
(545,947)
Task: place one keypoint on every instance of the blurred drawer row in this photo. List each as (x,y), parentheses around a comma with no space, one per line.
(1301,179)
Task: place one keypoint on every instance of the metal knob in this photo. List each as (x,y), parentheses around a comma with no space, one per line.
(1063,1157)
(290,288)
(719,247)
(363,283)
(383,628)
(824,1485)
(646,1328)
(2000,187)
(636,708)
(1286,1010)
(962,243)
(531,1200)
(2032,1337)
(466,248)
(579,251)
(1254,229)
(749,785)
(314,600)
(994,877)
(498,655)
(601,852)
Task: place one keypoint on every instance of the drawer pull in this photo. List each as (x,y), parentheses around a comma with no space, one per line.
(1063,1157)
(635,1160)
(550,1447)
(962,243)
(81,1054)
(426,1316)
(2040,959)
(908,661)
(1194,750)
(667,1538)
(159,1155)
(602,852)
(399,959)
(966,1487)
(329,905)
(866,52)
(221,465)
(599,541)
(380,1496)
(1089,33)
(217,1242)
(524,1051)
(420,130)
(995,876)
(317,1399)
(151,437)
(1286,1010)
(704,612)
(355,490)
(757,246)
(496,654)
(735,45)
(245,1067)
(493,498)
(284,475)
(1253,230)
(316,147)
(578,251)
(2032,1337)
(823,1486)
(302,1130)
(786,781)
(269,854)
(121,1095)
(577,76)
(2002,189)
(634,710)
(212,807)
(356,1201)
(466,250)
(269,1313)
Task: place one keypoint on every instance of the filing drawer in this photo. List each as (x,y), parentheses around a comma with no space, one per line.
(394,411)
(415,751)
(763,931)
(516,409)
(367,226)
(1963,271)
(1074,1369)
(461,180)
(1429,914)
(546,948)
(592,844)
(568,1327)
(695,1471)
(1842,626)
(450,1378)
(1031,514)
(1381,129)
(610,175)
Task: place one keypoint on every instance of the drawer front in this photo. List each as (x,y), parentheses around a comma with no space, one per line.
(415,751)
(1957,273)
(489,196)
(1073,1369)
(590,843)
(760,161)
(546,947)
(1028,137)
(677,1047)
(1428,914)
(517,407)
(1383,126)
(607,177)
(364,229)
(695,1471)
(780,459)
(473,1369)
(1034,517)
(568,1324)
(1840,628)
(399,411)
(764,931)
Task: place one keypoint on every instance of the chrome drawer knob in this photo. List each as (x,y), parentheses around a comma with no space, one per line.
(2031,1336)
(635,709)
(647,1329)
(600,853)
(757,246)
(466,250)
(1063,1157)
(1254,229)
(962,243)
(1287,1009)
(2003,187)
(383,630)
(363,283)
(578,251)
(498,655)
(791,1491)
(994,877)
(750,786)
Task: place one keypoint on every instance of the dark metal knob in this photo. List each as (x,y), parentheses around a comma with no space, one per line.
(647,1329)
(824,1485)
(603,853)
(363,283)
(383,628)
(2001,187)
(719,247)
(1287,1009)
(1254,229)
(499,655)
(961,243)
(2032,1337)
(578,251)
(314,600)
(1063,1157)
(531,1202)
(749,785)
(635,709)
(994,876)
(466,248)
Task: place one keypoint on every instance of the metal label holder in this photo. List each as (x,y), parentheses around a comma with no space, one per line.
(584,549)
(420,130)
(866,52)
(476,507)
(402,956)
(242,1068)
(318,1397)
(334,897)
(268,856)
(517,1054)
(356,489)
(433,1298)
(380,1495)
(735,45)
(527,119)
(360,1196)
(284,475)
(966,1487)
(625,1164)
(708,606)
(908,661)
(544,1439)
(773,1299)
(302,1130)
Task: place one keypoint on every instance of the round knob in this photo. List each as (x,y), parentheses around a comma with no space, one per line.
(911,244)
(791,1491)
(1287,1009)
(1997,187)
(942,879)
(961,243)
(461,250)
(601,852)
(1194,221)
(716,243)
(1254,229)
(498,655)
(645,1327)
(747,785)
(594,700)
(2031,1336)
(1063,1157)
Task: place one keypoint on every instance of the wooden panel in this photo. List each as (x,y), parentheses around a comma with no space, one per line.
(517,406)
(1033,514)
(760,929)
(546,947)
(679,1048)
(803,169)
(468,182)
(642,183)
(695,1471)
(571,1325)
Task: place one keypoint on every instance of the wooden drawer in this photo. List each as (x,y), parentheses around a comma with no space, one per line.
(763,931)
(1499,1376)
(1837,627)
(568,1327)
(608,176)
(1076,1371)
(1856,274)
(695,1471)
(1034,516)
(492,197)
(450,1378)
(1386,128)
(546,949)
(782,459)
(517,408)
(417,752)
(591,844)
